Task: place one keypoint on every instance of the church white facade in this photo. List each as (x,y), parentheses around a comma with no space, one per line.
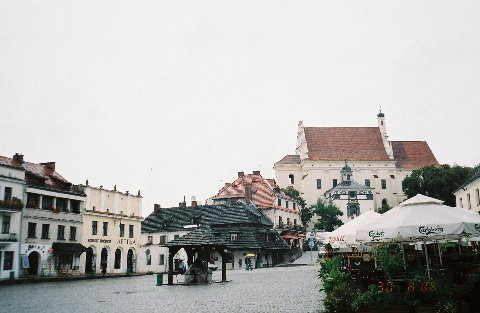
(376,162)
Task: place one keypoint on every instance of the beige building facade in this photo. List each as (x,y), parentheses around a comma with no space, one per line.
(111,232)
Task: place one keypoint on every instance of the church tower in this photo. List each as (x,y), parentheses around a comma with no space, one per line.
(383,131)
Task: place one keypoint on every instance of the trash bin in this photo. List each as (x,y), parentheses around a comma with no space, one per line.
(129,272)
(93,272)
(159,279)
(12,275)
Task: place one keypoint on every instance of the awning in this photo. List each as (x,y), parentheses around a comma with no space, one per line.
(290,237)
(68,247)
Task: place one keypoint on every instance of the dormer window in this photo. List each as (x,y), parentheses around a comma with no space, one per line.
(233,237)
(291,179)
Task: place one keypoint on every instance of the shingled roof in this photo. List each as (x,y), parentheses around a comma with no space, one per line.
(216,224)
(174,219)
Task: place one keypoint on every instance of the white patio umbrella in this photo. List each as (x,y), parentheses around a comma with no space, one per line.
(421,218)
(345,235)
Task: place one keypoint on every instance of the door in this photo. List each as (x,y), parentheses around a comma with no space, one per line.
(130,261)
(33,260)
(104,260)
(89,261)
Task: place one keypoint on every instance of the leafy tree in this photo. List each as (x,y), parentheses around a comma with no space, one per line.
(295,195)
(437,182)
(328,213)
(385,207)
(306,215)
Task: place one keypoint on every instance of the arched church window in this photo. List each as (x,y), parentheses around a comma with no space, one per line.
(291,179)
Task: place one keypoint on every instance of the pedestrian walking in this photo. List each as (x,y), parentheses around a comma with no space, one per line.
(240,263)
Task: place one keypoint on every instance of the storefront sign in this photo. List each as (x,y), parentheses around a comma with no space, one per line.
(100,240)
(126,241)
(425,230)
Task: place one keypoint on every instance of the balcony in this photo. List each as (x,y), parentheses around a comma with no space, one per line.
(10,237)
(15,204)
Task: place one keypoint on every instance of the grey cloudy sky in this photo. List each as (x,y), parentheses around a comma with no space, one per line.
(174,97)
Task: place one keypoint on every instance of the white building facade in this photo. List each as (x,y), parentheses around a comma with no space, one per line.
(376,162)
(468,195)
(12,199)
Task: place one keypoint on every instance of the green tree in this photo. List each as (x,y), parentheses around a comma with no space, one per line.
(295,195)
(385,207)
(328,213)
(437,182)
(306,215)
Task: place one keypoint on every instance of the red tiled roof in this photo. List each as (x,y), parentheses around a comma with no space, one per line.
(36,173)
(413,154)
(345,143)
(263,194)
(9,162)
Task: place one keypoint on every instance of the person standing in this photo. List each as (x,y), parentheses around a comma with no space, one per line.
(240,263)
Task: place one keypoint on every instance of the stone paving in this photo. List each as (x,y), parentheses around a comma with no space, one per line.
(281,289)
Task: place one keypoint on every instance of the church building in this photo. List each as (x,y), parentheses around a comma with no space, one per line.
(377,164)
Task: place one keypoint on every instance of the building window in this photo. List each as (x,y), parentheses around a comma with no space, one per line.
(75,206)
(73,233)
(32,229)
(286,204)
(122,230)
(105,229)
(94,227)
(384,203)
(233,237)
(469,204)
(130,231)
(8,261)
(279,202)
(150,239)
(288,221)
(294,206)
(461,203)
(319,184)
(280,221)
(163,239)
(384,183)
(334,183)
(148,257)
(45,231)
(294,221)
(478,196)
(161,259)
(61,232)
(118,259)
(6,224)
(291,179)
(8,194)
(367,182)
(62,205)
(47,203)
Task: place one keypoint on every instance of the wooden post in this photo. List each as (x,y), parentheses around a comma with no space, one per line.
(224,268)
(170,268)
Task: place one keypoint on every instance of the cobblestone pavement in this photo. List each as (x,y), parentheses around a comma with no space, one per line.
(281,289)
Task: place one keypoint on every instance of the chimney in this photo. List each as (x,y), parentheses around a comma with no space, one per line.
(157,208)
(248,193)
(50,165)
(241,174)
(183,204)
(194,202)
(256,172)
(18,157)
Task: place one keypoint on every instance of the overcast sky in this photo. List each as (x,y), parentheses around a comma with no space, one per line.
(175,97)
